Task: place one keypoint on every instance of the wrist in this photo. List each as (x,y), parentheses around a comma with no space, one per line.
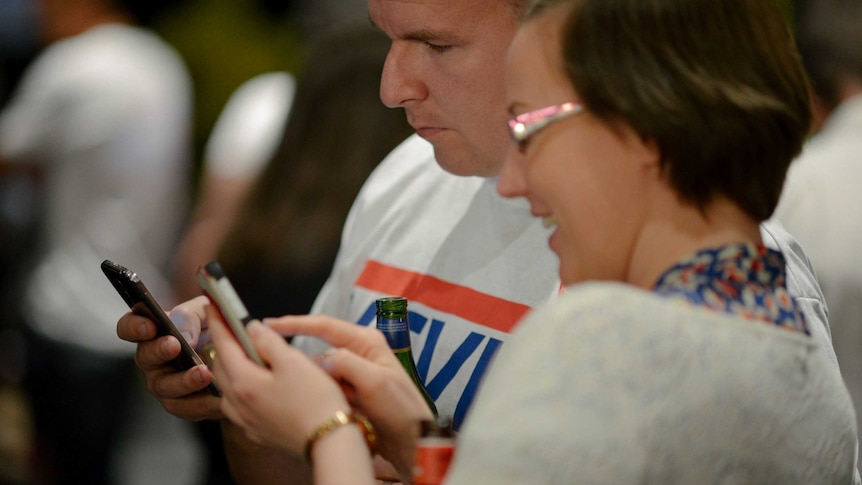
(336,423)
(342,456)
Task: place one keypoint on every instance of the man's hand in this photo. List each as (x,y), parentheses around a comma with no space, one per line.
(184,394)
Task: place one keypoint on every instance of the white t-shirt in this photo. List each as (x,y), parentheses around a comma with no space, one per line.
(107,116)
(250,126)
(615,385)
(470,263)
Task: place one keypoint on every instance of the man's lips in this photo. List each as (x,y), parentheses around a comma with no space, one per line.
(429,131)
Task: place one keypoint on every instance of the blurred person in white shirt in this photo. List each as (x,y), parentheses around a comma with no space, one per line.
(102,117)
(821,199)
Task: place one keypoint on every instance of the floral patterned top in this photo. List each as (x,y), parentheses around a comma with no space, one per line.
(743,279)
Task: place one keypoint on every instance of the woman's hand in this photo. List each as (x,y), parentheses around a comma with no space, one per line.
(373,381)
(279,405)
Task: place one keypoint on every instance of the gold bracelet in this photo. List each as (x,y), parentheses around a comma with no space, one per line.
(338,420)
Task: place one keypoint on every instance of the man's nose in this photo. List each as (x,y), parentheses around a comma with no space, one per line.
(401,81)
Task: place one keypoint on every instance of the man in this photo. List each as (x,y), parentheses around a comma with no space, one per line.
(446,69)
(470,263)
(821,195)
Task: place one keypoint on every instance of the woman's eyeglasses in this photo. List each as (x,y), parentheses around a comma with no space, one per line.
(525,125)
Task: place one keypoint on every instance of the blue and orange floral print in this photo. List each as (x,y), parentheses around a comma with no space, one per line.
(743,279)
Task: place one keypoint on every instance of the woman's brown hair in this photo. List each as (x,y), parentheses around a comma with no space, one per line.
(716,84)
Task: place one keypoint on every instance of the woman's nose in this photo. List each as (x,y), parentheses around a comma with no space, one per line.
(511,182)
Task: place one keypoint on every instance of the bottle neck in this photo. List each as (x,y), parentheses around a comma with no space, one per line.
(397,332)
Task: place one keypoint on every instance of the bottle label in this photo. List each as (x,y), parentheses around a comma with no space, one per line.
(432,461)
(397,332)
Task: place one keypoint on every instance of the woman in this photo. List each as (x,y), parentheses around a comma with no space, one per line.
(654,136)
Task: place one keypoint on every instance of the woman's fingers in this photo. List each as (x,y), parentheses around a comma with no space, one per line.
(229,355)
(362,375)
(270,345)
(364,341)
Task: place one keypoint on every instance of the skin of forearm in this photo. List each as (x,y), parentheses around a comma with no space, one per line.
(342,457)
(254,464)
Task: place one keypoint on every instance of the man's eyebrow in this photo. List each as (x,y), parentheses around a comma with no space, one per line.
(423,35)
(426,35)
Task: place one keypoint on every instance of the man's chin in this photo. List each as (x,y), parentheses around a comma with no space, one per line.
(463,163)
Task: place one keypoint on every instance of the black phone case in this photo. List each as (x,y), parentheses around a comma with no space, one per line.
(141,302)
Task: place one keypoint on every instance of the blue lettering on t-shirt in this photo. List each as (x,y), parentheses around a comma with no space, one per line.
(369,316)
(439,382)
(473,385)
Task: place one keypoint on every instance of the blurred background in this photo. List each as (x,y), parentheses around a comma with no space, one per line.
(224,43)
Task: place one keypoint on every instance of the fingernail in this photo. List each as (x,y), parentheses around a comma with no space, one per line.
(142,330)
(196,375)
(254,328)
(187,336)
(324,360)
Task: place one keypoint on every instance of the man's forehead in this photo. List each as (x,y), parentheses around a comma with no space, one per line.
(429,19)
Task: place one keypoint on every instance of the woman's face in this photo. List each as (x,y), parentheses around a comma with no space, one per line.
(589,180)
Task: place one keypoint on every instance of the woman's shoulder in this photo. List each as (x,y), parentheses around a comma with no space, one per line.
(635,375)
(633,317)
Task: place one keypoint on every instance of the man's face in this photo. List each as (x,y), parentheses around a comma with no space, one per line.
(446,69)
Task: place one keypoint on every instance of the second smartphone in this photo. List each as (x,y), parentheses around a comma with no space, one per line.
(224,297)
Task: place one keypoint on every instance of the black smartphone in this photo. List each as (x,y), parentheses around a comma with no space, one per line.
(129,285)
(224,297)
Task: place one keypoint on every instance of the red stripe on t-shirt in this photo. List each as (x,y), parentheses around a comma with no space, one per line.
(481,308)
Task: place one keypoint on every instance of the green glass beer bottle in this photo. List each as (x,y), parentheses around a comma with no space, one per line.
(392,321)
